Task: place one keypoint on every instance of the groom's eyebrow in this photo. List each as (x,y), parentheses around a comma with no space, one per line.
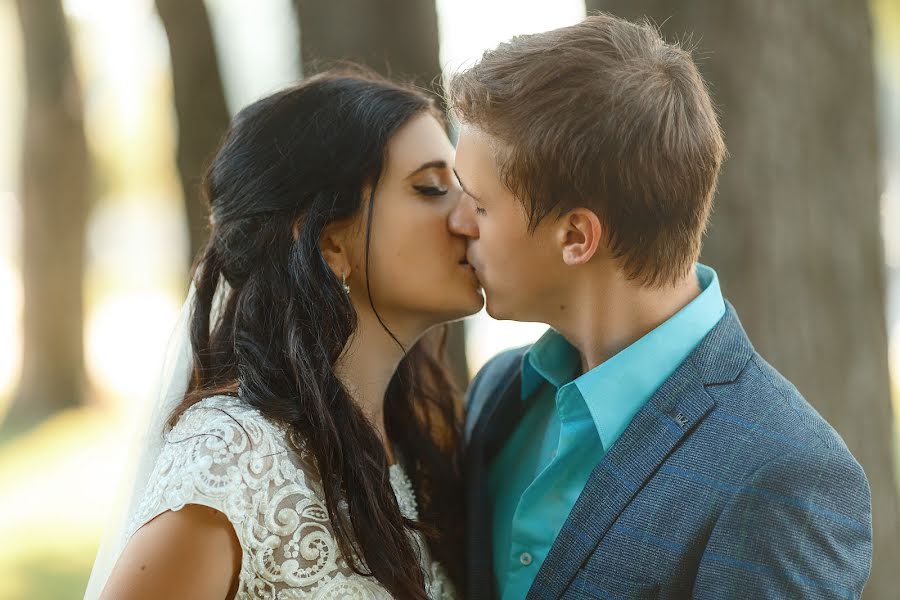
(464,187)
(432,164)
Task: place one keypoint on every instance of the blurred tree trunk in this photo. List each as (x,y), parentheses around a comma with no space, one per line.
(55,184)
(796,232)
(199,103)
(397,38)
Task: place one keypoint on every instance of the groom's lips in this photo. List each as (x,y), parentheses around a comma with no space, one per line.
(466,262)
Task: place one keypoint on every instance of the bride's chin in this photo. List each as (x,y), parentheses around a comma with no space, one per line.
(474,306)
(465,308)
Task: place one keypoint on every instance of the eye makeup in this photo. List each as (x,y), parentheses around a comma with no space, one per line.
(430,190)
(430,179)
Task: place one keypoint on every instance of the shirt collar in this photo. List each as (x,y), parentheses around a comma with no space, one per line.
(550,359)
(616,389)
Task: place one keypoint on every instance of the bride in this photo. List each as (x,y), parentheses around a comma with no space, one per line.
(305,441)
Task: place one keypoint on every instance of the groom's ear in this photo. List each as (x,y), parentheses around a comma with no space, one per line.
(579,233)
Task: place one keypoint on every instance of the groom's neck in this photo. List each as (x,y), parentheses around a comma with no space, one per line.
(609,313)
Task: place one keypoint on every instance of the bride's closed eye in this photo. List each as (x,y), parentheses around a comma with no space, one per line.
(430,190)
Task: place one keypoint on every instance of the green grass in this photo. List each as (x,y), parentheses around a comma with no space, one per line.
(57,574)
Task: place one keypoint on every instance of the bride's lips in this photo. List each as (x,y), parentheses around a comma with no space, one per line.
(464,262)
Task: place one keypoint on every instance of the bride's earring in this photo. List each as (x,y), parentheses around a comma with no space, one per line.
(344,284)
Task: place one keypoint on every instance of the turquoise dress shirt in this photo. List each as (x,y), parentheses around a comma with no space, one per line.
(570,422)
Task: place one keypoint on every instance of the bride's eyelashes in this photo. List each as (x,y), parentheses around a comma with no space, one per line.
(430,190)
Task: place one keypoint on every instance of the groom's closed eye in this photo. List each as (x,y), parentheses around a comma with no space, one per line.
(465,189)
(479,210)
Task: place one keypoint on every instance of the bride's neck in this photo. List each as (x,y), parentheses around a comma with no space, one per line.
(366,368)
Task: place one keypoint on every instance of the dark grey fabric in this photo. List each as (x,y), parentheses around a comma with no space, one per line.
(726,484)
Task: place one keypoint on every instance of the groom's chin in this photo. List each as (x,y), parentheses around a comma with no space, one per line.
(494,309)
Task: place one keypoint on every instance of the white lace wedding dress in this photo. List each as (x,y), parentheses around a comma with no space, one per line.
(228,456)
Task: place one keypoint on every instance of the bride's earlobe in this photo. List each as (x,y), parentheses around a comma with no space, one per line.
(333,246)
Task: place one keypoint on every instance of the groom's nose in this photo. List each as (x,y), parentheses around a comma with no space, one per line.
(462,218)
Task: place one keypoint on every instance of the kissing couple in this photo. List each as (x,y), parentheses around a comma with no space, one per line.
(307,441)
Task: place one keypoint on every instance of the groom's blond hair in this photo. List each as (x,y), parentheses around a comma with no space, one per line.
(607,115)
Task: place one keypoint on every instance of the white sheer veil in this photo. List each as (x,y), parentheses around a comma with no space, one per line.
(148,439)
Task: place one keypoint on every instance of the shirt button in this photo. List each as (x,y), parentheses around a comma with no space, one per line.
(525,559)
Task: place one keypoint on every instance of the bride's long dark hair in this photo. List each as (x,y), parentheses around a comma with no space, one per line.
(307,155)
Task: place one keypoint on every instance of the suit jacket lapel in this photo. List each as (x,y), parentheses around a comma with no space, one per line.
(673,411)
(501,411)
(656,429)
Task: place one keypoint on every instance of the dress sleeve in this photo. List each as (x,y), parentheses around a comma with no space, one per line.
(229,458)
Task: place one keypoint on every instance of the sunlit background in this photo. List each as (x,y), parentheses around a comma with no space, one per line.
(57,481)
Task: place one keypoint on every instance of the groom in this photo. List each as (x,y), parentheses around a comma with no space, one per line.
(641,448)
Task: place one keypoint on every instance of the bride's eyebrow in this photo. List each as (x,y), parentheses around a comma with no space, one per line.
(433,164)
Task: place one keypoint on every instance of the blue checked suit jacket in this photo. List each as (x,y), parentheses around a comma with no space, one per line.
(726,484)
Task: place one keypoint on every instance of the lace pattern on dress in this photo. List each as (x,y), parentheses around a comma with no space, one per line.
(225,455)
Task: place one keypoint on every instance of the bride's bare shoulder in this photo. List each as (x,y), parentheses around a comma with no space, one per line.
(189,553)
(185,544)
